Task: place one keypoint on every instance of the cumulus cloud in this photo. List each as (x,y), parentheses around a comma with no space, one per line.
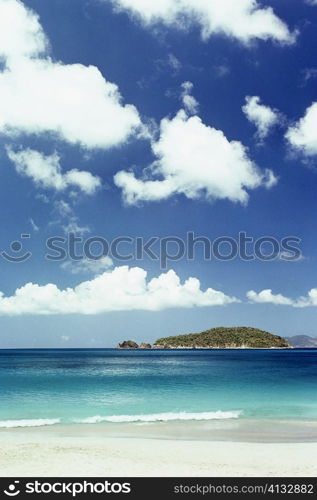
(244,20)
(197,161)
(46,172)
(21,34)
(122,289)
(38,95)
(303,135)
(262,116)
(267,297)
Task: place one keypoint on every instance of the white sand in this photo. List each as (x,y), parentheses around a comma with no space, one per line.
(78,452)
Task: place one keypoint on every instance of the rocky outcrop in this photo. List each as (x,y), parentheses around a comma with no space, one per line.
(128,344)
(144,345)
(131,344)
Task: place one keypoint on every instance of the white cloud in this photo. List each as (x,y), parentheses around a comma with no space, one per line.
(73,226)
(37,95)
(63,208)
(42,197)
(21,34)
(94,266)
(46,172)
(70,221)
(309,74)
(287,256)
(244,20)
(221,70)
(34,226)
(310,300)
(190,104)
(263,117)
(197,161)
(303,135)
(267,297)
(72,101)
(122,289)
(174,63)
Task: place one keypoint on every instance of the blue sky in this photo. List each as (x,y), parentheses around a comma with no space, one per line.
(129,118)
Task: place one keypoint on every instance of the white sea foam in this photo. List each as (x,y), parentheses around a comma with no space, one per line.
(163,417)
(9,424)
(155,417)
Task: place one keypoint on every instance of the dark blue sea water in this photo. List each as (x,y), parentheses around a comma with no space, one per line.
(39,387)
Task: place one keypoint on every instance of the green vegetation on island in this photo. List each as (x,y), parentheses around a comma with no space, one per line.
(224,337)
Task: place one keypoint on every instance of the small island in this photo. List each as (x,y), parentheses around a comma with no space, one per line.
(238,337)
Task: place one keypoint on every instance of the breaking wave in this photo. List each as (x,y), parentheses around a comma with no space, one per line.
(10,424)
(163,417)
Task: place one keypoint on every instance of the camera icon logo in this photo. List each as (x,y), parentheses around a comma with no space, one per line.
(17,253)
(12,490)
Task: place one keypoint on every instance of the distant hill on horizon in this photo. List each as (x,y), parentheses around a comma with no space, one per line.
(224,337)
(302,341)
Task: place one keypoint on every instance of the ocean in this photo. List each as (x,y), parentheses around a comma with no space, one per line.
(52,387)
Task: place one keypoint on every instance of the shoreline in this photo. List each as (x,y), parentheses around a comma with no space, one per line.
(182,348)
(230,430)
(156,349)
(91,450)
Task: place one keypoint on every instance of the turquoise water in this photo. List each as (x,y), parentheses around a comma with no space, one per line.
(42,387)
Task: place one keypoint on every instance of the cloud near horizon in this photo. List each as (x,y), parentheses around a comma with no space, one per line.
(244,20)
(121,289)
(267,297)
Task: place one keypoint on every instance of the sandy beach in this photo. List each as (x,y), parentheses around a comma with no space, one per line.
(93,451)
